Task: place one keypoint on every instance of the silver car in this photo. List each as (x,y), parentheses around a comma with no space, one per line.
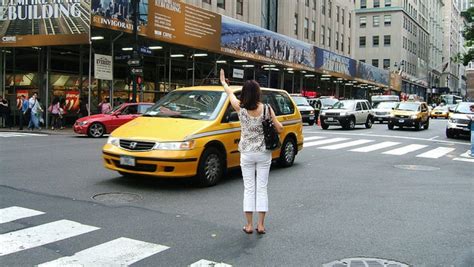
(382,111)
(348,114)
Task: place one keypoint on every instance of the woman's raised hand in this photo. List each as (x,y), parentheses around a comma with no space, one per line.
(222,77)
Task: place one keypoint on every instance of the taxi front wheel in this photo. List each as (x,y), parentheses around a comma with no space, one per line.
(288,153)
(211,167)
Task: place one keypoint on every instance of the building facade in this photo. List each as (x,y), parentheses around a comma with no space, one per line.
(394,34)
(452,46)
(465,4)
(327,24)
(435,65)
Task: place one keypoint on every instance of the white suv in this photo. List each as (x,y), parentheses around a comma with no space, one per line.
(458,122)
(348,114)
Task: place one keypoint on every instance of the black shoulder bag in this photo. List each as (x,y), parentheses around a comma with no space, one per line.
(272,139)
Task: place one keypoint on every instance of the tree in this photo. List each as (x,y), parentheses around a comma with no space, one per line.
(469,36)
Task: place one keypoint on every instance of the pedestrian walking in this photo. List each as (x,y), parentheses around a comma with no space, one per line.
(105,106)
(4,112)
(55,114)
(472,129)
(34,112)
(23,110)
(83,108)
(255,160)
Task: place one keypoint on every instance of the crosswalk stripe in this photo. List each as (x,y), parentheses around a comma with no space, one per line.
(404,150)
(463,159)
(14,213)
(375,147)
(207,263)
(313,138)
(347,144)
(15,134)
(323,142)
(119,252)
(436,153)
(40,235)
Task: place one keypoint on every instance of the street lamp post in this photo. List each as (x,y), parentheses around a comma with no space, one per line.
(136,14)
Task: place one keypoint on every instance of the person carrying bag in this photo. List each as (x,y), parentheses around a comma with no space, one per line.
(272,139)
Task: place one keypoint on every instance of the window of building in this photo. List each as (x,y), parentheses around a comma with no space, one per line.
(207,1)
(240,7)
(306,2)
(375,63)
(323,35)
(375,40)
(363,3)
(342,42)
(362,41)
(329,8)
(329,37)
(362,21)
(306,28)
(350,19)
(313,33)
(323,7)
(296,24)
(349,45)
(375,21)
(221,4)
(387,20)
(388,3)
(387,40)
(362,60)
(337,40)
(376,3)
(343,16)
(386,63)
(337,13)
(314,4)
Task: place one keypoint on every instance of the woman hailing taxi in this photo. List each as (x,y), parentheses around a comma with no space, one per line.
(255,160)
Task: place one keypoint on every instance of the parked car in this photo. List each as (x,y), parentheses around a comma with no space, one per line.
(100,124)
(458,122)
(440,112)
(410,114)
(382,111)
(195,132)
(306,110)
(348,114)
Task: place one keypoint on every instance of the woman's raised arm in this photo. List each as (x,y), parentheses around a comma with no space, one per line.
(233,99)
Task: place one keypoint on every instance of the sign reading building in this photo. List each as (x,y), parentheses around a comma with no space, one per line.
(44,22)
(103,67)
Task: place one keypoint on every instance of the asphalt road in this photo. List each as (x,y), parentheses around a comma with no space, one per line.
(334,203)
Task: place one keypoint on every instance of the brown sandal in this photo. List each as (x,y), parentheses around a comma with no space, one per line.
(247,232)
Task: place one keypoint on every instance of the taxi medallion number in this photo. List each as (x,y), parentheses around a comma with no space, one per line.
(127,161)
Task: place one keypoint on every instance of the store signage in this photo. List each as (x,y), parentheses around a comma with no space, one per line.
(137,71)
(134,62)
(43,23)
(103,67)
(145,51)
(330,61)
(238,74)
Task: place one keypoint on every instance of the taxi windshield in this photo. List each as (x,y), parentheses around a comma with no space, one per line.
(192,104)
(408,106)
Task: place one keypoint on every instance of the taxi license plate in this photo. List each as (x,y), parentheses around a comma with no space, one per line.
(330,119)
(127,161)
(380,119)
(401,121)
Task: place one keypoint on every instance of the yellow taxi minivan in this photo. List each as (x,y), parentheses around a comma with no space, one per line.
(195,132)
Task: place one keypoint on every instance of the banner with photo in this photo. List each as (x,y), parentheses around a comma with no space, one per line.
(369,73)
(117,15)
(44,23)
(332,62)
(249,41)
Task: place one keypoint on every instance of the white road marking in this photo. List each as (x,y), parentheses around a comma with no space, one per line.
(323,142)
(464,159)
(206,263)
(40,235)
(313,138)
(348,144)
(436,153)
(119,252)
(433,138)
(14,213)
(404,150)
(15,134)
(375,147)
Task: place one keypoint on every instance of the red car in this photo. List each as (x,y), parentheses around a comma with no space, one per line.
(100,124)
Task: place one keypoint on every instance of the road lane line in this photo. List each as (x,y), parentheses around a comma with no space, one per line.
(119,252)
(207,263)
(313,138)
(375,147)
(14,213)
(323,142)
(436,153)
(348,144)
(404,150)
(463,159)
(41,235)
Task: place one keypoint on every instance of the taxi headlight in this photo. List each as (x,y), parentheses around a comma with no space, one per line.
(113,141)
(414,116)
(343,114)
(186,145)
(82,123)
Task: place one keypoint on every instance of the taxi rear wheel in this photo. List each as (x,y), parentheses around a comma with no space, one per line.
(427,124)
(211,167)
(287,153)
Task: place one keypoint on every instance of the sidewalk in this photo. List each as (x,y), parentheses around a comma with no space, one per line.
(65,131)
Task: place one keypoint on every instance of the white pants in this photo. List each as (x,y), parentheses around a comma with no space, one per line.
(255,169)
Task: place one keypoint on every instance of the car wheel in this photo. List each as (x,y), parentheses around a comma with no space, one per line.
(390,126)
(368,123)
(96,130)
(287,153)
(350,124)
(324,126)
(211,167)
(418,126)
(449,134)
(427,124)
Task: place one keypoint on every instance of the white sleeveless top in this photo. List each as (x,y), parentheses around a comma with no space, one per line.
(251,136)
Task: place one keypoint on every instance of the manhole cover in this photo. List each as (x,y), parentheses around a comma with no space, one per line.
(117,197)
(416,167)
(364,262)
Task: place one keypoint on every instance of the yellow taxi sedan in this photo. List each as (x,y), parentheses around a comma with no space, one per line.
(194,132)
(440,112)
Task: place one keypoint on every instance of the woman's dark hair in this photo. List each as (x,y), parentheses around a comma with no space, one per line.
(250,95)
(55,100)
